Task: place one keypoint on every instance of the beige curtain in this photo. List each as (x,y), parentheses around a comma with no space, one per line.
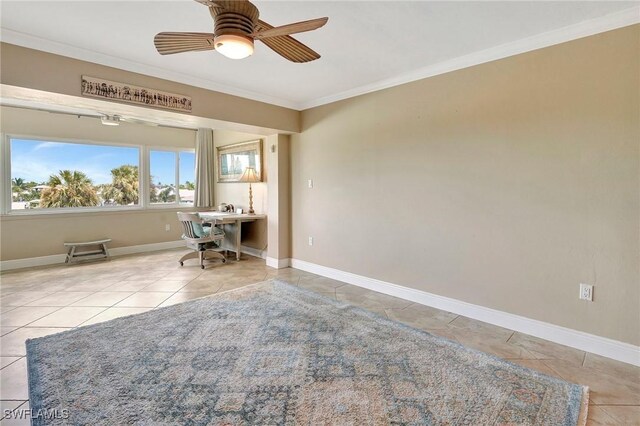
(205,159)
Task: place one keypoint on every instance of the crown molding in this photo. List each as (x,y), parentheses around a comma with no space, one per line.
(45,45)
(587,28)
(572,32)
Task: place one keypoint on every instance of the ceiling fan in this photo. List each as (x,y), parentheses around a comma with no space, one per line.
(115,120)
(236,26)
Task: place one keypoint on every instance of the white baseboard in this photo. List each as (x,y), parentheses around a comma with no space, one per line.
(31,262)
(253,252)
(603,346)
(262,254)
(143,248)
(54,259)
(278,263)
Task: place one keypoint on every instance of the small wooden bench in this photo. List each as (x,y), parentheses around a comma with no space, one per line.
(100,253)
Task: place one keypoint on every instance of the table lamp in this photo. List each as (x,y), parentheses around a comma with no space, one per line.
(250,176)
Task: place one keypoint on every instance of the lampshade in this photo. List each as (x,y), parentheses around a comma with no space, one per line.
(234,46)
(249,175)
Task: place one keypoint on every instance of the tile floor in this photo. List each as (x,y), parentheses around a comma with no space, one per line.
(48,300)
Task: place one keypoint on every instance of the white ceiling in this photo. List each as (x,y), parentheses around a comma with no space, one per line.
(365,45)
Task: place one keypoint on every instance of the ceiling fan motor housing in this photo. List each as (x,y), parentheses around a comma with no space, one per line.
(235,18)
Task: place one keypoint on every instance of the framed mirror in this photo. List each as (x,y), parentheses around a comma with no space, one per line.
(233,159)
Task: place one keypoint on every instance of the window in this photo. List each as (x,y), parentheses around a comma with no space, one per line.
(51,176)
(170,170)
(187,174)
(56,175)
(163,177)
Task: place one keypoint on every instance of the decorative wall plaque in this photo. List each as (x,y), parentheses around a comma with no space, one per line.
(110,90)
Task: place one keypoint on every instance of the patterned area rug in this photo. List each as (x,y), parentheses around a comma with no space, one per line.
(275,354)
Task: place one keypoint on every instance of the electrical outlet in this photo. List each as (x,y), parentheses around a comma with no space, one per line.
(310,183)
(586,292)
(310,241)
(167,227)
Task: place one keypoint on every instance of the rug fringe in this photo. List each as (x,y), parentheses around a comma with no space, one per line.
(584,407)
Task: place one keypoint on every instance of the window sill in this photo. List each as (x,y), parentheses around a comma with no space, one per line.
(40,214)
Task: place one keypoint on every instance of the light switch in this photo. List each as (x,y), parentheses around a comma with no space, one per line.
(310,183)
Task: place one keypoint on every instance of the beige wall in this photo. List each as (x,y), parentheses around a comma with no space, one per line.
(504,185)
(238,193)
(34,69)
(254,234)
(44,234)
(277,153)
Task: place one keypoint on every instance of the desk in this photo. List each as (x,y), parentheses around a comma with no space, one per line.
(232,218)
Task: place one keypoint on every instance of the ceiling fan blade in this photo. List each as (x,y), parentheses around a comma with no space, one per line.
(169,43)
(221,3)
(286,46)
(298,27)
(208,3)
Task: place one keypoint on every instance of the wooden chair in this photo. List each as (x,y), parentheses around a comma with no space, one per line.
(205,241)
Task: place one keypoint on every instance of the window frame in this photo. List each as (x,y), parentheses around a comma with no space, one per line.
(144,178)
(176,204)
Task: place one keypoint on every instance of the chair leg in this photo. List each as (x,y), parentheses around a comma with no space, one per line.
(216,254)
(192,255)
(201,255)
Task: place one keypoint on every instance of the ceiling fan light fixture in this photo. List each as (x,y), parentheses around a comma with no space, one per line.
(234,46)
(111,120)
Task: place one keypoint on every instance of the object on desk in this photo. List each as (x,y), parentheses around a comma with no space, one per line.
(250,176)
(239,211)
(224,207)
(99,253)
(200,239)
